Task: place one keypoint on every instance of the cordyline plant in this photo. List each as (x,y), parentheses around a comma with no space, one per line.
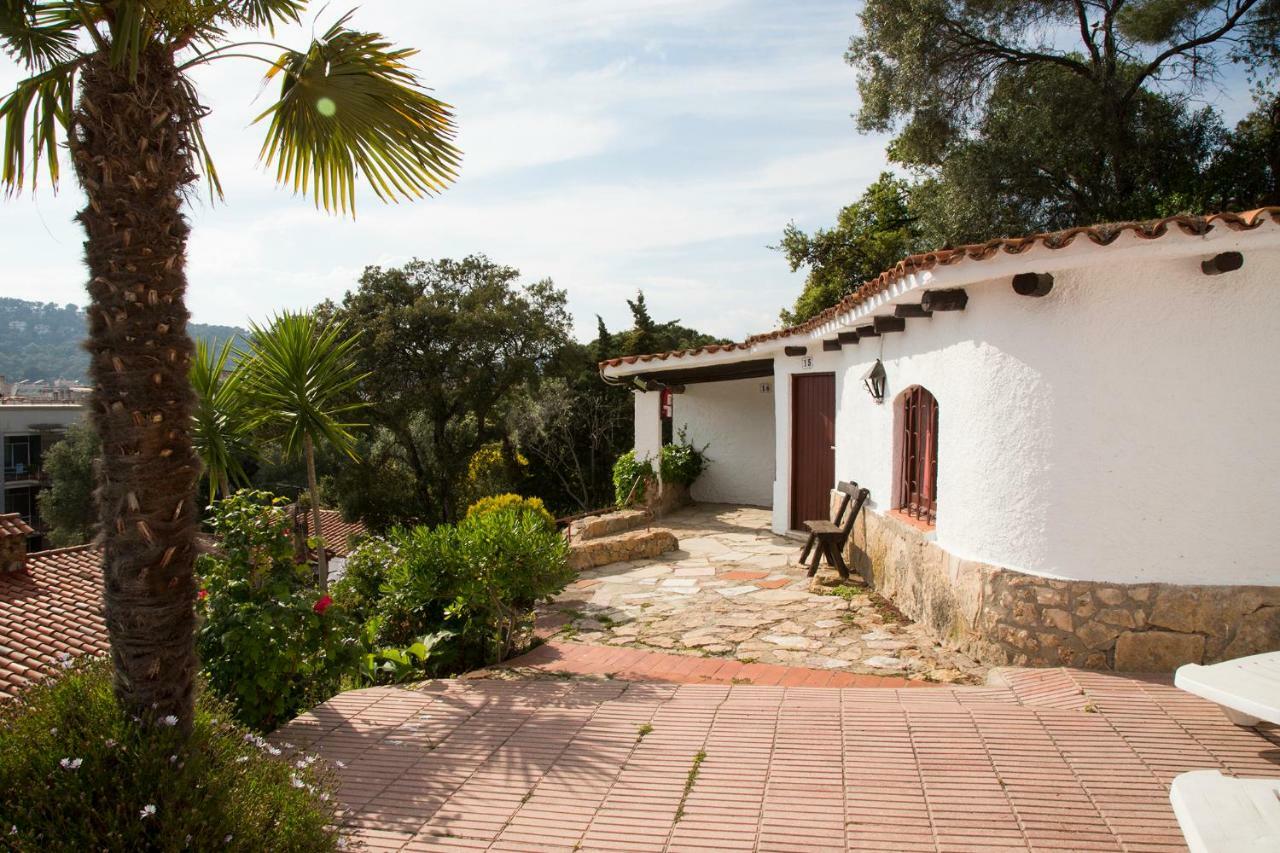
(301,377)
(109,79)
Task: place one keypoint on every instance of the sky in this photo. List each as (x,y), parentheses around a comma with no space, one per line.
(655,145)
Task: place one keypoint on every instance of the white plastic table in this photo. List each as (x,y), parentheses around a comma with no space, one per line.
(1248,689)
(1219,814)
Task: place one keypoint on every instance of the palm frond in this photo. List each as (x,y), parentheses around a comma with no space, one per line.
(350,106)
(302,379)
(221,425)
(35,116)
(264,13)
(38,34)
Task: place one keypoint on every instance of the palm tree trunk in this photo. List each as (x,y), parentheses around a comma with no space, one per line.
(322,559)
(225,485)
(131,150)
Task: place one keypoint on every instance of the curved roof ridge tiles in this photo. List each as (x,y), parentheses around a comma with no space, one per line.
(1102,234)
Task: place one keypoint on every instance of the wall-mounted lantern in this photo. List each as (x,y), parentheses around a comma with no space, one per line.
(873,381)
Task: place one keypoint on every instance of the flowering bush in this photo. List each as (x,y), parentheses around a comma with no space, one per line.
(78,775)
(270,642)
(498,503)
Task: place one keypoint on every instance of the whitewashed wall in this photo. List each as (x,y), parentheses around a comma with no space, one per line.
(736,420)
(648,424)
(1123,428)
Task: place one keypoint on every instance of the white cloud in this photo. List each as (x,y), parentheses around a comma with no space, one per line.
(655,144)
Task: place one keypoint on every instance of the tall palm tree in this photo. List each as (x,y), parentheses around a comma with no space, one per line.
(302,378)
(220,427)
(109,78)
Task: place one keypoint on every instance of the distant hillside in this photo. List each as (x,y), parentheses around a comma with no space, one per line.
(41,340)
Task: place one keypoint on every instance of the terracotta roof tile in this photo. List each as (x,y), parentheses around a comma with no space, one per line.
(337,533)
(1101,235)
(11,524)
(53,607)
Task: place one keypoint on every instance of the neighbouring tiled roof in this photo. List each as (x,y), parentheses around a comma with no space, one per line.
(1101,235)
(337,533)
(11,524)
(52,608)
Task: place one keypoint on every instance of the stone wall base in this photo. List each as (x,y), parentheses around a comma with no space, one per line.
(1004,617)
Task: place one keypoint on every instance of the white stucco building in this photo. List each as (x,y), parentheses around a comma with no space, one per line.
(1075,460)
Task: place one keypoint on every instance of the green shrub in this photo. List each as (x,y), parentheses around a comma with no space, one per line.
(360,588)
(629,472)
(680,462)
(498,503)
(270,642)
(77,775)
(478,580)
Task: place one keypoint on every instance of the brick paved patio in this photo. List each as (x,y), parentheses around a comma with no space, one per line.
(1048,760)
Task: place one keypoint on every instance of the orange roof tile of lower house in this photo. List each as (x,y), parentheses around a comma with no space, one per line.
(49,612)
(337,533)
(1100,235)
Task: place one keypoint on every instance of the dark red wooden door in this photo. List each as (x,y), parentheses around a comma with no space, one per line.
(813,455)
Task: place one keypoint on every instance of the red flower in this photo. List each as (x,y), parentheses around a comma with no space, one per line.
(202,594)
(323,604)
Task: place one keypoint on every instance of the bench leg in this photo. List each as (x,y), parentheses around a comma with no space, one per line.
(837,559)
(817,558)
(808,546)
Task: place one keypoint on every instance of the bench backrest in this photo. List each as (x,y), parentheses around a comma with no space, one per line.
(851,501)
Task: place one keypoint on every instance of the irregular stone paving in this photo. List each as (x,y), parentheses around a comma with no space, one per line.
(1053,760)
(734,589)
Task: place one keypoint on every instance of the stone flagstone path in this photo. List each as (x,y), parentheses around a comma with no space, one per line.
(735,590)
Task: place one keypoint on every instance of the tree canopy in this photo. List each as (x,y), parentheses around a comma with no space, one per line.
(445,344)
(869,236)
(1033,116)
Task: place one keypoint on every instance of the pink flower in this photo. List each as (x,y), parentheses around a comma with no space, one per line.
(323,604)
(202,594)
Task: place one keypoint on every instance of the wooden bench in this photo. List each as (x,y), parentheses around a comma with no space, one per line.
(828,537)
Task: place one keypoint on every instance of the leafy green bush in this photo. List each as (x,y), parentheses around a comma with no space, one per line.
(360,588)
(680,462)
(78,775)
(498,503)
(630,478)
(478,580)
(269,641)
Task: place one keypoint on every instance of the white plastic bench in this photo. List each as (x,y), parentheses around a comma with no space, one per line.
(1248,689)
(1219,814)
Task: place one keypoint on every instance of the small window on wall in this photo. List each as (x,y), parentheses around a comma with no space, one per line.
(918,455)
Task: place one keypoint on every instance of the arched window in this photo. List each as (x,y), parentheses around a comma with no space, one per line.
(918,459)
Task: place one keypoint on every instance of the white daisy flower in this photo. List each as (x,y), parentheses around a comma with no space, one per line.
(170,720)
(147,811)
(71,763)
(296,782)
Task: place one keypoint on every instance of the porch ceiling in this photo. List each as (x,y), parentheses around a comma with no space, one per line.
(754,369)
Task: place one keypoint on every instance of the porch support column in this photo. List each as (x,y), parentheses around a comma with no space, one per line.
(648,424)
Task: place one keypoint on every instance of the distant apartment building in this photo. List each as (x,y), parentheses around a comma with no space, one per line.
(29,426)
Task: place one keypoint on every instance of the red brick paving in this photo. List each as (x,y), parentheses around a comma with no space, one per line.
(544,765)
(637,665)
(776,583)
(741,575)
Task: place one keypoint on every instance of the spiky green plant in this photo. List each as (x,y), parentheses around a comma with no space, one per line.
(220,425)
(108,79)
(301,378)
